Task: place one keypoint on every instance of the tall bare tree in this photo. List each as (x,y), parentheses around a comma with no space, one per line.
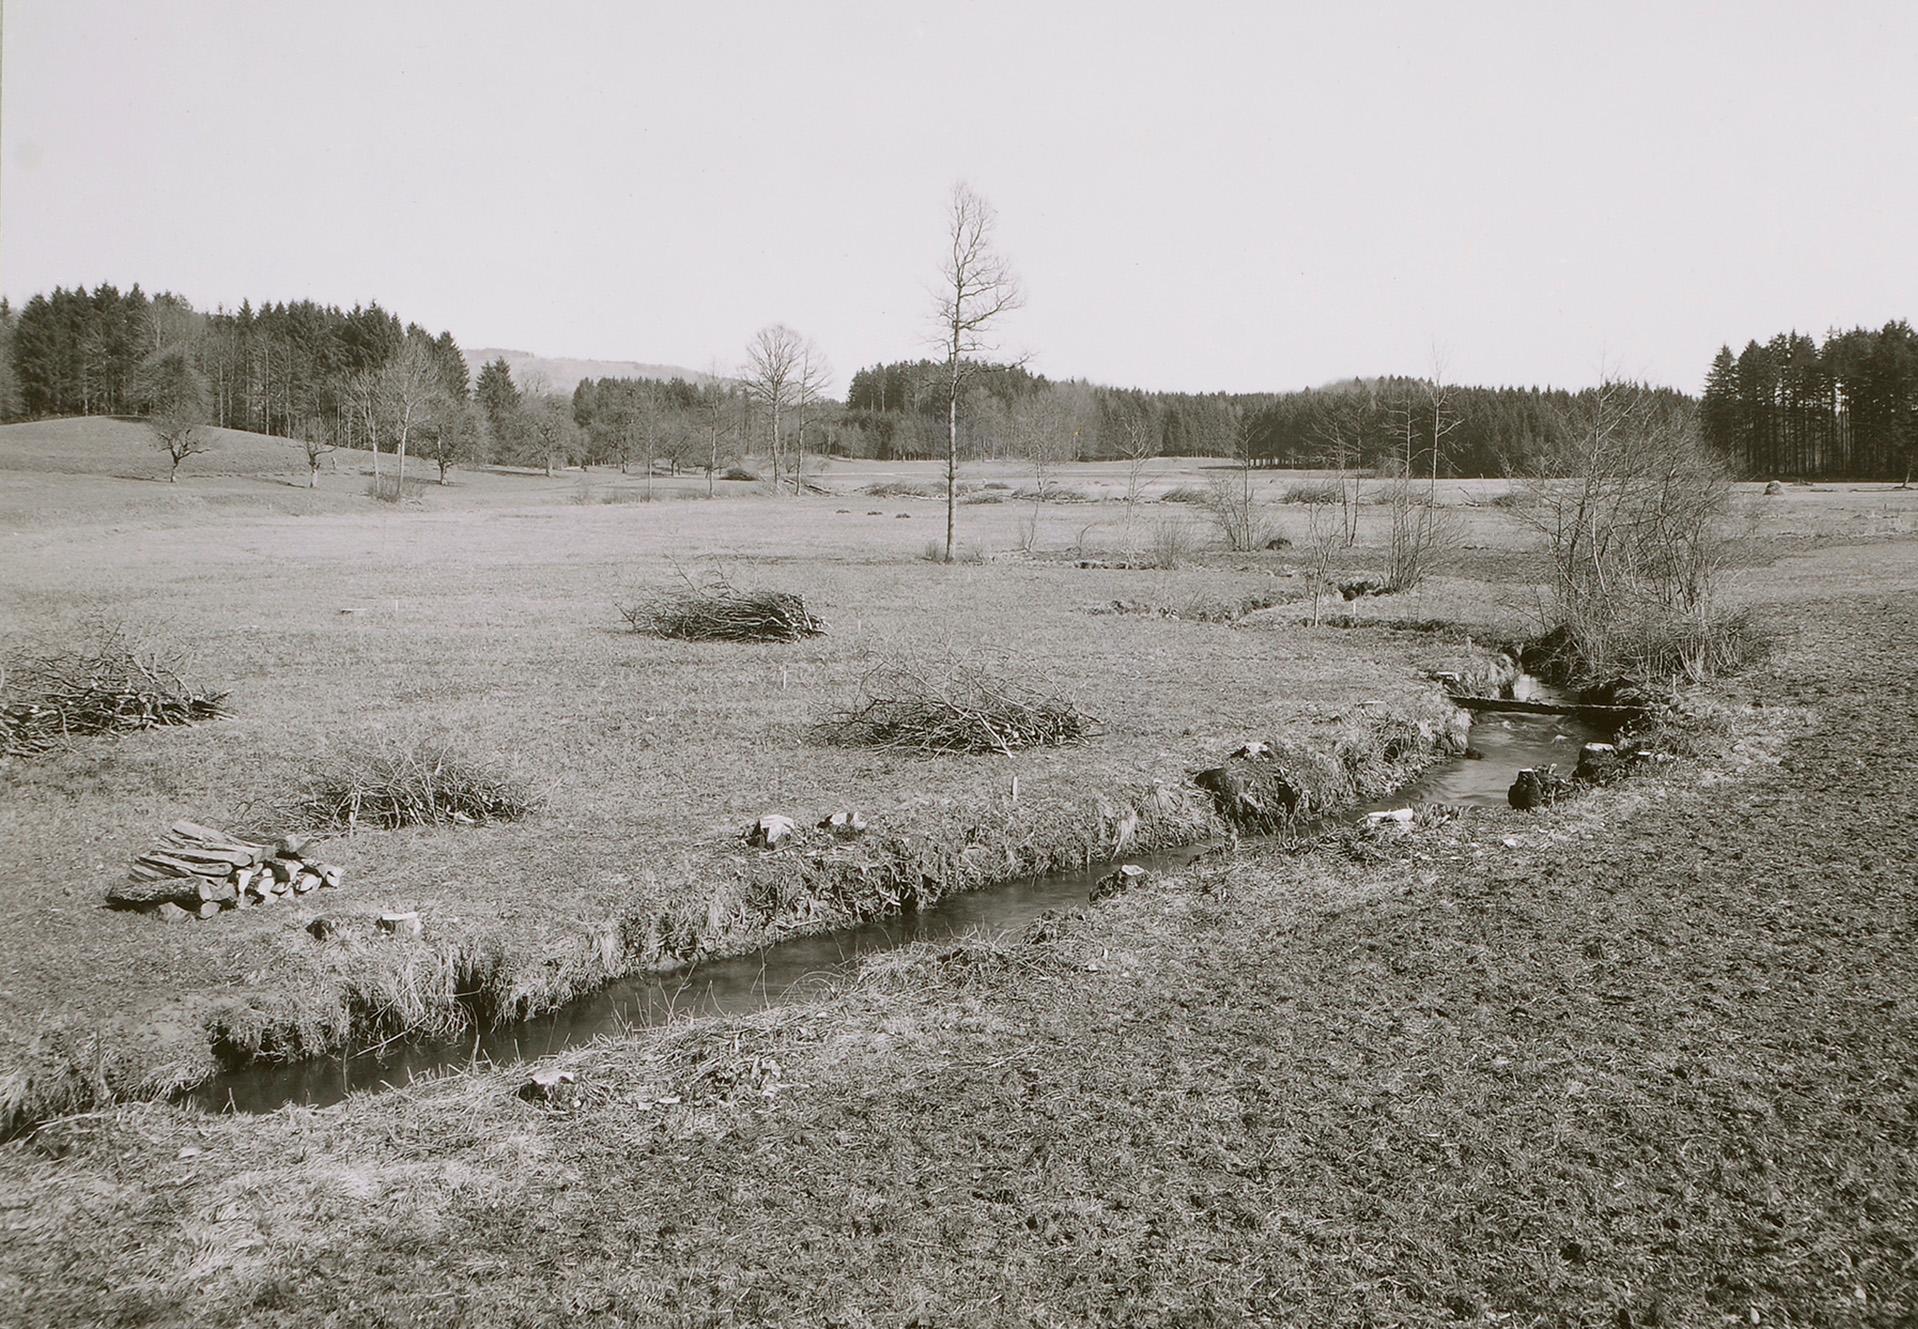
(716,419)
(409,387)
(775,363)
(815,374)
(976,287)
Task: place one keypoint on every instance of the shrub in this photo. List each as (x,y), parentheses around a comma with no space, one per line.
(996,484)
(986,495)
(738,473)
(1239,516)
(1316,492)
(901,489)
(1186,494)
(419,783)
(108,686)
(720,611)
(1170,545)
(387,489)
(956,707)
(1515,498)
(934,551)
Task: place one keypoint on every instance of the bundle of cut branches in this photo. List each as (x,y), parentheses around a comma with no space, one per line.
(720,611)
(412,784)
(956,706)
(111,686)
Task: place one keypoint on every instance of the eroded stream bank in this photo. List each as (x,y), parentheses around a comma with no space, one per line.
(1501,746)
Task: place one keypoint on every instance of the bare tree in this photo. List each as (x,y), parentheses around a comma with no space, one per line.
(175,397)
(815,375)
(409,386)
(454,435)
(1424,535)
(775,363)
(1631,505)
(1342,422)
(313,440)
(976,287)
(715,410)
(1140,440)
(1233,506)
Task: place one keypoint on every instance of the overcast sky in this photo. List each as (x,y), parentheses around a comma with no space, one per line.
(1197,196)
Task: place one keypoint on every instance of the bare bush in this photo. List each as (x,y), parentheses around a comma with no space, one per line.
(1170,545)
(1316,492)
(955,706)
(1632,506)
(1237,513)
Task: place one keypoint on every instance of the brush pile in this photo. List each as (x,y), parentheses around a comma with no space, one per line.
(109,687)
(957,708)
(197,871)
(412,784)
(720,611)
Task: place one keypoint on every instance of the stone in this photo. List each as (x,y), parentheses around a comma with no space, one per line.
(1598,763)
(1120,880)
(845,823)
(770,829)
(405,924)
(555,1087)
(1400,820)
(1774,489)
(168,912)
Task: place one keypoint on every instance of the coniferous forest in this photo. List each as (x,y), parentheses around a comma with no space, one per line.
(1847,409)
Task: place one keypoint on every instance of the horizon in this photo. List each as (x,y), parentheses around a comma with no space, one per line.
(1210,205)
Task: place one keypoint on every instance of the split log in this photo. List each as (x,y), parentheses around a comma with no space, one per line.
(183,891)
(306,881)
(207,909)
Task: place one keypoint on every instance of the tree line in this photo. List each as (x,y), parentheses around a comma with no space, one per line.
(895,410)
(1791,407)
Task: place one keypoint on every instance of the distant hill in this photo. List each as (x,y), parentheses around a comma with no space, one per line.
(563,375)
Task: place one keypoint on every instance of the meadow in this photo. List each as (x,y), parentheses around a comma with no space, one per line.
(1101,1119)
(485,613)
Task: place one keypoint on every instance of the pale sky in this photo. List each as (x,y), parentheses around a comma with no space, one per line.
(1197,196)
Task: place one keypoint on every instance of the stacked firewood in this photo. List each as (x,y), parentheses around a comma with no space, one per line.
(199,871)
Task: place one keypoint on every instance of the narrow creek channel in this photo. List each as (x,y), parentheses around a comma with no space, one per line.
(744,983)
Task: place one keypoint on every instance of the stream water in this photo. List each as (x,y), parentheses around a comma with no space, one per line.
(750,982)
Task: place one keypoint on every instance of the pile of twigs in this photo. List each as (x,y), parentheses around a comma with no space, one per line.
(720,611)
(109,687)
(957,707)
(412,784)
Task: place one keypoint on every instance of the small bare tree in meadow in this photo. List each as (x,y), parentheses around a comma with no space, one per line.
(716,421)
(314,442)
(775,364)
(976,289)
(1325,535)
(1342,423)
(1232,503)
(175,396)
(1140,442)
(1424,535)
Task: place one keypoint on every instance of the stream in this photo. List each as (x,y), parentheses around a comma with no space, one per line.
(745,983)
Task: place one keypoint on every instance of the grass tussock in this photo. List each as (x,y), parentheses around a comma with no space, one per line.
(901,489)
(110,685)
(720,611)
(1187,494)
(418,783)
(955,707)
(1327,492)
(934,551)
(738,473)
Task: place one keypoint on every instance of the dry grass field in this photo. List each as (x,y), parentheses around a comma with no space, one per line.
(1315,1086)
(486,614)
